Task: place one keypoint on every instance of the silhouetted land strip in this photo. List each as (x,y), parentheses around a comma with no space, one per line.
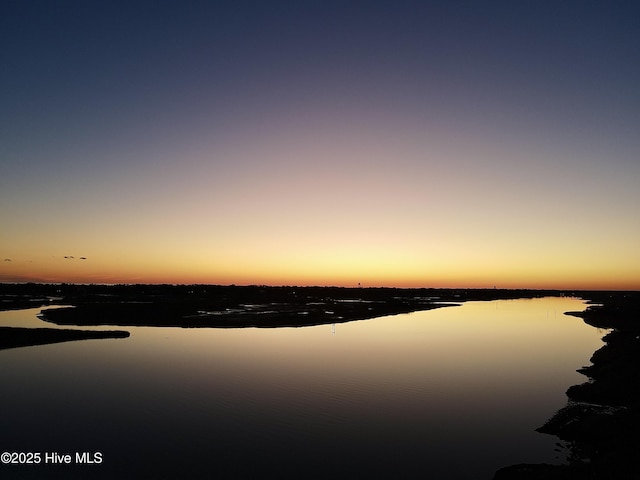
(236,306)
(191,316)
(601,422)
(13,337)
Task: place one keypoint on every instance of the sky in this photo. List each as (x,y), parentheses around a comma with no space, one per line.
(381,143)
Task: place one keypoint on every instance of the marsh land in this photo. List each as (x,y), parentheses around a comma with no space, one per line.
(235,306)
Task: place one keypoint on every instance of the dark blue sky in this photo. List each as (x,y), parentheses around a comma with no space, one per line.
(117,63)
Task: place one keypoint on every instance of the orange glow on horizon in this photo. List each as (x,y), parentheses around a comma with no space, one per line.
(326,259)
(340,279)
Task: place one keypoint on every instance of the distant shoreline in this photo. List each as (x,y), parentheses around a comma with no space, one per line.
(218,306)
(31,295)
(202,306)
(214,306)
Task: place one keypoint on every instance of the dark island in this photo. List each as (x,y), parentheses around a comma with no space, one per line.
(235,306)
(11,337)
(217,306)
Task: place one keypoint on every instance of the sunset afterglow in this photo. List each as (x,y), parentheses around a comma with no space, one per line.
(321,143)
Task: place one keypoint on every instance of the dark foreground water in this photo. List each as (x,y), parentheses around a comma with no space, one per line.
(452,393)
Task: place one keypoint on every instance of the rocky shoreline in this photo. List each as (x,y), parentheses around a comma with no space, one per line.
(601,422)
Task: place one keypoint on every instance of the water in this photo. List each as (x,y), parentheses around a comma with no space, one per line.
(452,393)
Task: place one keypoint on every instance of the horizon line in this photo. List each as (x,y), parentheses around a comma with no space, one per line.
(355,287)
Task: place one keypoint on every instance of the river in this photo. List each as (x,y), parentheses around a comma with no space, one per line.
(451,393)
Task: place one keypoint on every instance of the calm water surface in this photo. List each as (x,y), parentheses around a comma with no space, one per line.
(452,393)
